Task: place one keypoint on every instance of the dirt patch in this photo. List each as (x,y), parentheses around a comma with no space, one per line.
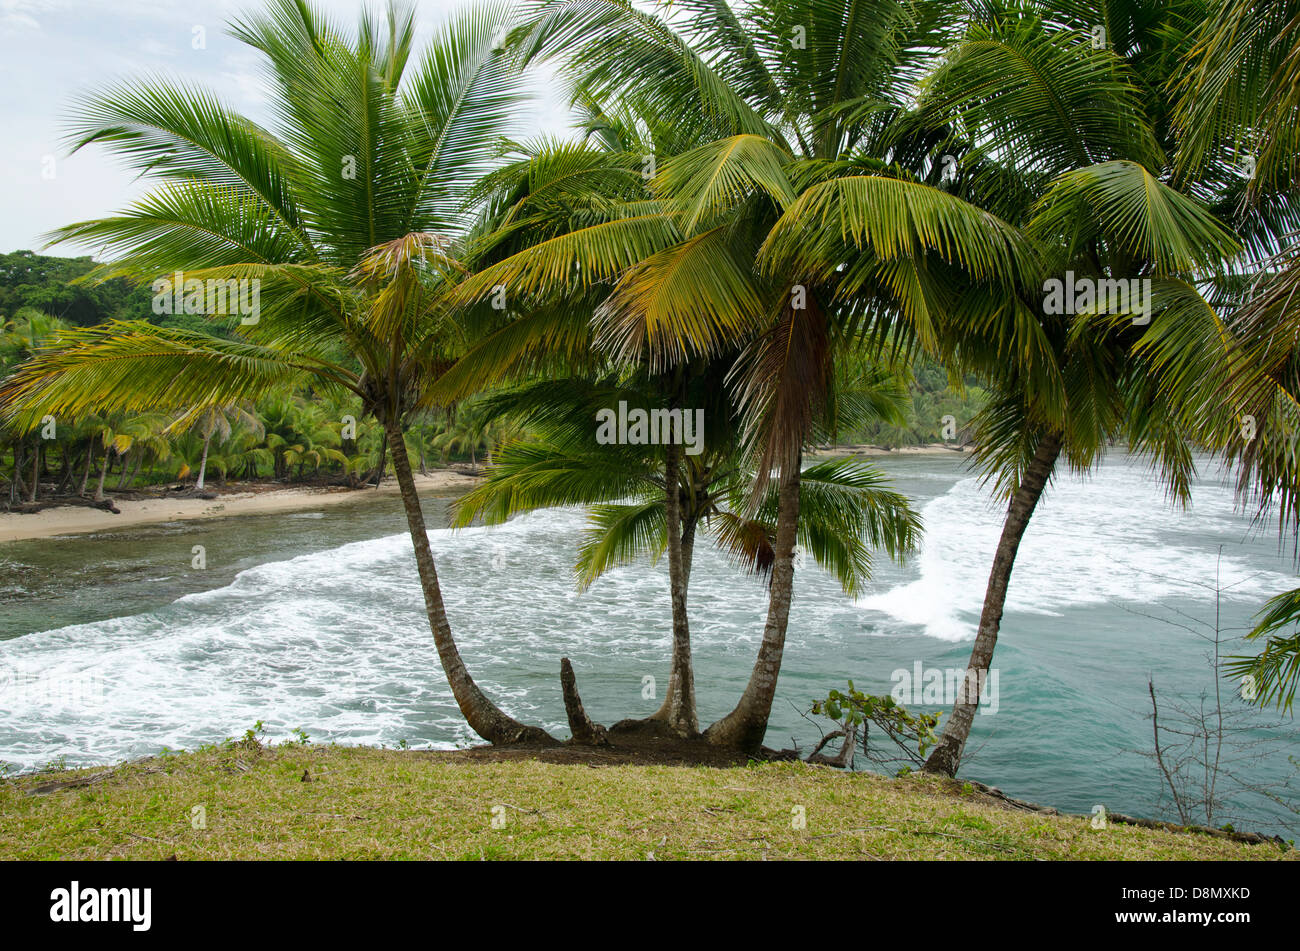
(631,743)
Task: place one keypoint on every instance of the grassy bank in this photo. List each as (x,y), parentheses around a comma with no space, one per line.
(318,802)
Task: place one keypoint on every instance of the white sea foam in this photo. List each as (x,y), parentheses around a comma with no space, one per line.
(1109,538)
(337,641)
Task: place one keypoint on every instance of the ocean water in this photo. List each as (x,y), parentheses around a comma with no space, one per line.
(113,646)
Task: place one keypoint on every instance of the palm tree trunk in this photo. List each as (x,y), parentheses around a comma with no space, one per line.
(678,709)
(483,716)
(16,485)
(103,471)
(125,474)
(746,725)
(66,475)
(65,468)
(90,460)
(36,472)
(383,462)
(203,463)
(946,755)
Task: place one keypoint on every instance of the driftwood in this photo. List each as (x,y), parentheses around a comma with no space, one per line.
(191,493)
(585,730)
(841,760)
(57,785)
(30,508)
(1254,838)
(844,758)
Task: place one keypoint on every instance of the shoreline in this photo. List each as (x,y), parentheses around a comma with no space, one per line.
(237,499)
(259,498)
(861,449)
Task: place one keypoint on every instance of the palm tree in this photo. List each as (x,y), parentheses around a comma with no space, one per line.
(138,437)
(102,429)
(848,508)
(221,422)
(1238,101)
(686,268)
(469,429)
(28,333)
(346,213)
(1089,187)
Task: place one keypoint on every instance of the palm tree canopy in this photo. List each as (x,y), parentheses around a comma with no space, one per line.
(346,212)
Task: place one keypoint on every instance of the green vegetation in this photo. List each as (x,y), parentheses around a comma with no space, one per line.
(55,286)
(314,802)
(931,397)
(806,222)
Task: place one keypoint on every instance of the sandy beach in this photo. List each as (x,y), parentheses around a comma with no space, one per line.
(261,500)
(931,449)
(77,519)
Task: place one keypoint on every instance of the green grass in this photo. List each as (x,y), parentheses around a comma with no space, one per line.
(363,803)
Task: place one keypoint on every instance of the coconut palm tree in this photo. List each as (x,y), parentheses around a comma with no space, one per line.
(786,105)
(346,212)
(136,438)
(219,422)
(29,332)
(849,509)
(1238,103)
(1092,189)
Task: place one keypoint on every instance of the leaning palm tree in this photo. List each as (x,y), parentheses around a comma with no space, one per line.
(1236,364)
(1018,98)
(346,213)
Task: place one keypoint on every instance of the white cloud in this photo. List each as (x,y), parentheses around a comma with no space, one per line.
(54,50)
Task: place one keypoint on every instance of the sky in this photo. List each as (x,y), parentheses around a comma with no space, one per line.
(54,50)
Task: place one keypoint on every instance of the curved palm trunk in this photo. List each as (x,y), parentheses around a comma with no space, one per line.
(103,472)
(483,716)
(678,709)
(946,756)
(203,464)
(746,725)
(125,475)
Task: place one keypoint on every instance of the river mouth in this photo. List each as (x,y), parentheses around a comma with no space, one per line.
(114,647)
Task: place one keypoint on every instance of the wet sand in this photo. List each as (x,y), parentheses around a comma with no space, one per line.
(232,500)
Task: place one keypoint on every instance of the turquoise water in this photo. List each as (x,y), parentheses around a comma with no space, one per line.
(112,646)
